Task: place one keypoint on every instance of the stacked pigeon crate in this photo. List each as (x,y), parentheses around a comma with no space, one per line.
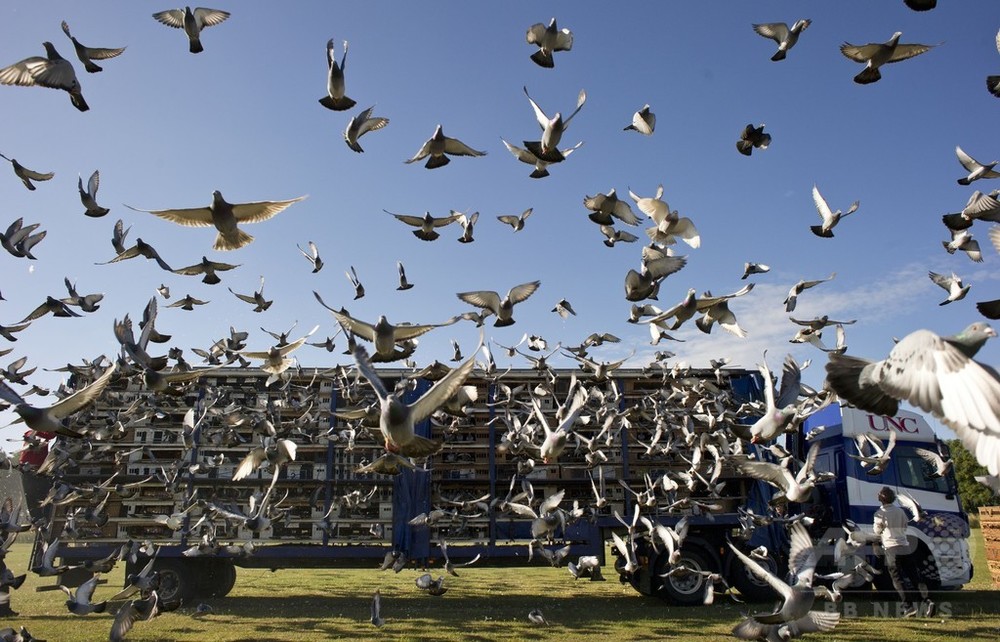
(989,523)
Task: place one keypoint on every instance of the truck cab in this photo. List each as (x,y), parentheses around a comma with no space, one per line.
(941,535)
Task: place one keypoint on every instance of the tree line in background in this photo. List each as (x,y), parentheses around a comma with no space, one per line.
(966,469)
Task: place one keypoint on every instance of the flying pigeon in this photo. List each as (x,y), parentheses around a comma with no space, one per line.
(515,221)
(752,137)
(829,217)
(436,148)
(425,224)
(312,256)
(360,125)
(89,196)
(643,121)
(50,419)
(976,169)
(224,217)
(53,71)
(397,419)
(192,22)
(798,288)
(335,98)
(27,175)
(548,39)
(403,283)
(208,268)
(529,158)
(874,55)
(952,285)
(936,374)
(781,34)
(502,308)
(88,55)
(552,130)
(352,276)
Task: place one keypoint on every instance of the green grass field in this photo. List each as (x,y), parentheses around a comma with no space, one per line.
(484,604)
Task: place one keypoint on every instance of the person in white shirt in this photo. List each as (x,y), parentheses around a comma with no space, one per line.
(890,527)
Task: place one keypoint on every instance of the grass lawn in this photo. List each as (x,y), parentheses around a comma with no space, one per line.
(484,604)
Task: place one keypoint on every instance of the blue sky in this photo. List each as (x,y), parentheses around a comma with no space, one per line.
(166,128)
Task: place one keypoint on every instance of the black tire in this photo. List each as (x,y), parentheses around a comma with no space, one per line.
(177,583)
(688,589)
(751,587)
(227,578)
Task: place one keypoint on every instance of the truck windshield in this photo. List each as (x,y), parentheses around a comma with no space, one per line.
(913,471)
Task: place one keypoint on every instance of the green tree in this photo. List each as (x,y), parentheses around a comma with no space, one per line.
(973,493)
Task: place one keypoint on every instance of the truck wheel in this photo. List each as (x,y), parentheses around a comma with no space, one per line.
(688,589)
(177,583)
(751,587)
(226,578)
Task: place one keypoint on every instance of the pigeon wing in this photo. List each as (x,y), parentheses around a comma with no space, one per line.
(190,217)
(261,210)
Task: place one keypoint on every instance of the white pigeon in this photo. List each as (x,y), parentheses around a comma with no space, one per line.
(643,121)
(668,223)
(976,169)
(783,35)
(795,488)
(192,22)
(829,217)
(953,285)
(798,288)
(548,39)
(335,98)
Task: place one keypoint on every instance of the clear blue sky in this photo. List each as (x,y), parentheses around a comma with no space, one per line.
(166,128)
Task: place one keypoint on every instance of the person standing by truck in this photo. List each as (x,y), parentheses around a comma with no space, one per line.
(890,528)
(35,449)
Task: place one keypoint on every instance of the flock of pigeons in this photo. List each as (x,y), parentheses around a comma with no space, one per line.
(690,423)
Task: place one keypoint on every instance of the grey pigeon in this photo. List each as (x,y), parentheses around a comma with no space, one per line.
(426,224)
(208,268)
(143,249)
(192,22)
(936,374)
(502,308)
(335,98)
(360,125)
(783,35)
(50,419)
(529,158)
(27,175)
(312,256)
(88,55)
(89,196)
(548,39)
(224,217)
(397,419)
(53,71)
(515,221)
(552,130)
(874,55)
(438,147)
(798,288)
